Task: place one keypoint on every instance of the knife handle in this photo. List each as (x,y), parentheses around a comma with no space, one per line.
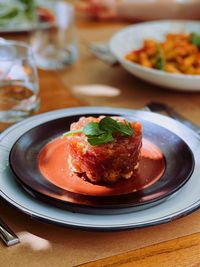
(7,235)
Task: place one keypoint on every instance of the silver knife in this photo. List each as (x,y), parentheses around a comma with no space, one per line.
(7,235)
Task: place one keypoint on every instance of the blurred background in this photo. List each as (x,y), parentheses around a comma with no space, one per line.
(62,33)
(139,10)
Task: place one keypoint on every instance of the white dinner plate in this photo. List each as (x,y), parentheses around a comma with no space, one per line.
(185,201)
(132,38)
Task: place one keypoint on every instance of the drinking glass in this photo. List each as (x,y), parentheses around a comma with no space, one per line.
(55,43)
(18,83)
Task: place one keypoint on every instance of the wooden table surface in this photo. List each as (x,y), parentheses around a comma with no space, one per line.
(91,82)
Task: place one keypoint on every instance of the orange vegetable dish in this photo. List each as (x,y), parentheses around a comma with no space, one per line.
(179,53)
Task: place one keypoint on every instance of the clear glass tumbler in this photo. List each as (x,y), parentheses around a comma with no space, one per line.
(18,83)
(55,44)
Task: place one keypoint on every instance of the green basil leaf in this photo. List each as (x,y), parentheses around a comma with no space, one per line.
(101,139)
(92,128)
(30,6)
(195,39)
(11,14)
(99,133)
(109,124)
(126,129)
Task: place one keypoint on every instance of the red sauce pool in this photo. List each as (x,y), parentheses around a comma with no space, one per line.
(54,167)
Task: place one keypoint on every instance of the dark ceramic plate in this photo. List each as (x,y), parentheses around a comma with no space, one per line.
(167,172)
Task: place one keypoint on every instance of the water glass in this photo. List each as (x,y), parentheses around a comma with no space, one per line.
(18,83)
(55,44)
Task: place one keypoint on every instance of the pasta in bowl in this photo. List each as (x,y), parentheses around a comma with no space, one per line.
(165,53)
(179,53)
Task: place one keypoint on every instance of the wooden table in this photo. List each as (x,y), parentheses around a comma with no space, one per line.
(91,82)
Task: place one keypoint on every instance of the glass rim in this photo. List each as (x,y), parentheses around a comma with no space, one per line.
(27,47)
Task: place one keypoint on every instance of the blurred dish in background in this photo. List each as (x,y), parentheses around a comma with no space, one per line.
(25,15)
(132,38)
(139,10)
(178,53)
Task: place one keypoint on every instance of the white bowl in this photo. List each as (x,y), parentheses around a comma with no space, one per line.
(132,37)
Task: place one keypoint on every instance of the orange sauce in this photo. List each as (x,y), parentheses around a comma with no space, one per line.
(53,164)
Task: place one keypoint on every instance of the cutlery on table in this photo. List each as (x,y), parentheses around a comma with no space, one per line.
(102,52)
(7,235)
(159,107)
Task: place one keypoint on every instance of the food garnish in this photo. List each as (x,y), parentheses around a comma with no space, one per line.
(195,39)
(104,131)
(23,12)
(16,12)
(160,62)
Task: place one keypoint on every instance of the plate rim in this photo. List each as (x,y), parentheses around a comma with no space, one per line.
(59,113)
(104,228)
